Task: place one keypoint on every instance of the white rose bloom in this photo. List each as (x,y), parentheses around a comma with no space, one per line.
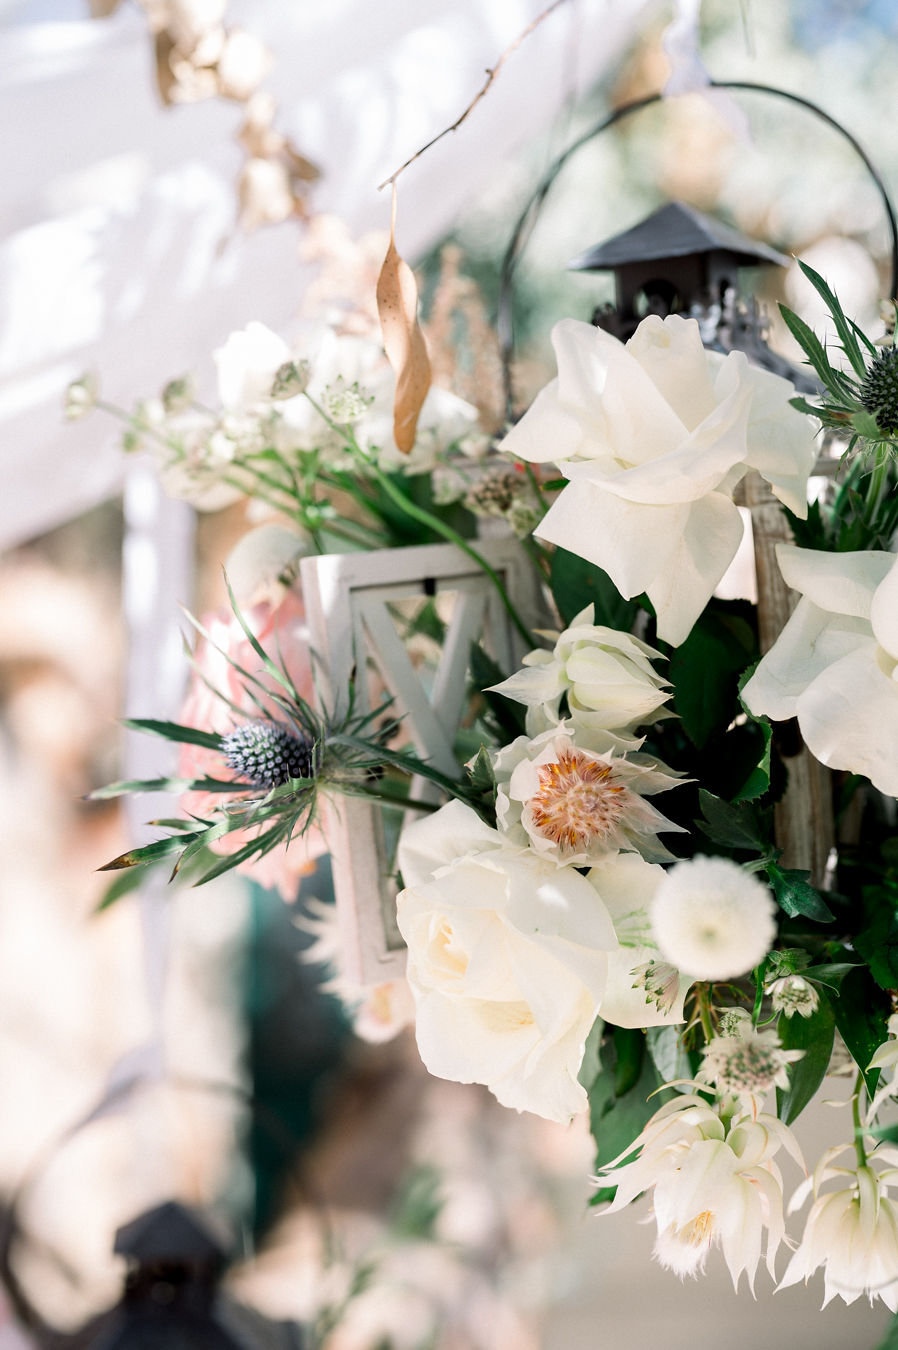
(713,1183)
(835,664)
(851,1232)
(654,435)
(507,961)
(574,805)
(712,918)
(641,990)
(247,364)
(607,676)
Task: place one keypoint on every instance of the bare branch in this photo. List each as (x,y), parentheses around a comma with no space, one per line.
(490,77)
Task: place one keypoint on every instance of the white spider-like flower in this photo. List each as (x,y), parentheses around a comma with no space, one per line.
(714,1182)
(747,1064)
(791,994)
(712,918)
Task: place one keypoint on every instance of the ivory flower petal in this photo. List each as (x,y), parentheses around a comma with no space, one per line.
(834,664)
(507,962)
(654,436)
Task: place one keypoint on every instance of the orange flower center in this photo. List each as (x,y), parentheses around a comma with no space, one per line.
(578,800)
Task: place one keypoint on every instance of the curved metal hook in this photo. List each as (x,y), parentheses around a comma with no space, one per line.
(528,217)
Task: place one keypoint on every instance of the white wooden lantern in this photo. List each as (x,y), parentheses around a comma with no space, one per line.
(351,604)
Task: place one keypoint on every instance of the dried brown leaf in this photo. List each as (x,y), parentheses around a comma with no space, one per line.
(397,308)
(165,76)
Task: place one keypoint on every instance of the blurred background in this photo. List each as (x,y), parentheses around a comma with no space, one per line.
(182,1044)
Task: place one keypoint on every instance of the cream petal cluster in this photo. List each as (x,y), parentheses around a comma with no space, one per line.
(712,918)
(654,435)
(713,1182)
(507,961)
(641,989)
(835,664)
(574,805)
(607,677)
(747,1064)
(851,1232)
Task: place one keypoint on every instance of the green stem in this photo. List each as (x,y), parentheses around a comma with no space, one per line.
(704,1011)
(878,485)
(856,1113)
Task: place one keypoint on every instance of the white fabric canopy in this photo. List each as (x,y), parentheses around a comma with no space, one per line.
(118,246)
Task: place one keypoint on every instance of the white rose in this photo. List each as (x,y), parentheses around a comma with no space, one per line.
(507,961)
(654,435)
(835,664)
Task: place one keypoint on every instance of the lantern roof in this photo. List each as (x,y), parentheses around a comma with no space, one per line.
(171,1233)
(676,231)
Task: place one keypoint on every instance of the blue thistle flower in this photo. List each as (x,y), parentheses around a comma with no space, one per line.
(268,754)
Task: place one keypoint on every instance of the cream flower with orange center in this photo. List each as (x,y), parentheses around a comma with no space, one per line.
(577,805)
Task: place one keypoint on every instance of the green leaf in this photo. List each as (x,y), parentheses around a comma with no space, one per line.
(669,1057)
(629,1049)
(795,895)
(507,716)
(576,583)
(890,1342)
(814,1035)
(732,825)
(844,327)
(877,941)
(813,349)
(616,1120)
(758,781)
(159,849)
(167,785)
(831,975)
(124,884)
(173,731)
(480,771)
(705,672)
(862,1010)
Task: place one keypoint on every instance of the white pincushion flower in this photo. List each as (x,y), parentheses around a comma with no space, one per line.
(712,918)
(791,994)
(654,435)
(607,676)
(851,1232)
(835,664)
(507,961)
(574,805)
(747,1064)
(713,1182)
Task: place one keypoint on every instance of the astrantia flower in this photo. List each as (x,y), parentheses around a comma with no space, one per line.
(713,919)
(790,994)
(747,1065)
(576,806)
(835,664)
(608,678)
(851,1232)
(507,961)
(654,436)
(713,1183)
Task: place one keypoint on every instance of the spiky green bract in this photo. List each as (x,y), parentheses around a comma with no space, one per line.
(287,757)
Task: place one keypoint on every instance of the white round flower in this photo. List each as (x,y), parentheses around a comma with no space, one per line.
(654,435)
(712,918)
(247,365)
(507,961)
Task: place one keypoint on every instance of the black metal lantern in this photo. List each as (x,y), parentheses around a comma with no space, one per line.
(681,261)
(172,1299)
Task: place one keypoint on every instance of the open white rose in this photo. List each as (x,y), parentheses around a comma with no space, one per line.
(835,664)
(507,961)
(653,436)
(574,805)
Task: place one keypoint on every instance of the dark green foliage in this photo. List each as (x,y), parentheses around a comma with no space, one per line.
(814,1035)
(862,1010)
(576,583)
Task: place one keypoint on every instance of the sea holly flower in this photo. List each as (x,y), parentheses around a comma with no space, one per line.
(851,1232)
(653,436)
(606,677)
(835,664)
(576,805)
(507,961)
(712,918)
(713,1181)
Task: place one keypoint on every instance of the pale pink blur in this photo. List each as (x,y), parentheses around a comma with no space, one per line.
(281,630)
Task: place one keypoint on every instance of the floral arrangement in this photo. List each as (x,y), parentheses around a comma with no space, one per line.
(677,970)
